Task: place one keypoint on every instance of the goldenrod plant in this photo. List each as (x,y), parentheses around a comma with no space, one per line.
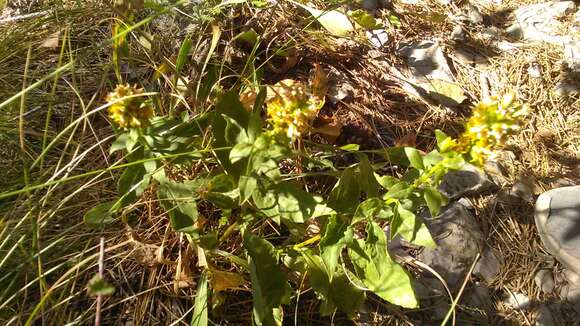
(348,256)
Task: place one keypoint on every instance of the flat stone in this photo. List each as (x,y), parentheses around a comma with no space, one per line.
(459,239)
(517,300)
(468,181)
(544,316)
(488,267)
(540,21)
(558,221)
(544,279)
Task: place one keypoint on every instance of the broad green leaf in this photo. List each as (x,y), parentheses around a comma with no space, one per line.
(98,286)
(333,21)
(120,143)
(222,190)
(412,228)
(441,137)
(434,200)
(346,193)
(398,191)
(132,183)
(378,271)
(229,105)
(294,204)
(368,183)
(249,37)
(247,186)
(100,215)
(336,236)
(395,21)
(334,293)
(455,163)
(269,286)
(201,302)
(415,158)
(386,181)
(240,151)
(432,158)
(364,19)
(179,201)
(370,209)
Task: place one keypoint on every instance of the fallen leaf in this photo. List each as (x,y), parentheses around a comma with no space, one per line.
(221,280)
(333,21)
(409,140)
(319,82)
(330,129)
(51,41)
(446,93)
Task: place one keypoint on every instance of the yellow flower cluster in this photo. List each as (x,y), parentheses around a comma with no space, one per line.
(492,121)
(128,110)
(291,107)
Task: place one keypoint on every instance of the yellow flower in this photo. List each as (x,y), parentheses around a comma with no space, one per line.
(128,110)
(291,107)
(492,121)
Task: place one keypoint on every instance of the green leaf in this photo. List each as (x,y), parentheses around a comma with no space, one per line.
(247,185)
(178,200)
(378,271)
(132,183)
(334,293)
(336,236)
(432,158)
(434,200)
(346,193)
(98,286)
(240,151)
(250,37)
(364,19)
(100,215)
(411,228)
(269,285)
(371,209)
(222,190)
(415,158)
(368,183)
(386,181)
(441,137)
(120,143)
(294,204)
(201,303)
(398,191)
(395,21)
(350,147)
(333,21)
(182,55)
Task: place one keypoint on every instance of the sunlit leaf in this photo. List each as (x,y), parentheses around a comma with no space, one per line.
(415,158)
(410,227)
(179,201)
(333,21)
(336,236)
(269,286)
(98,286)
(201,303)
(100,215)
(379,272)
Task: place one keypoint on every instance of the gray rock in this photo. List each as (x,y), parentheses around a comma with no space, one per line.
(459,239)
(557,218)
(378,37)
(544,316)
(522,190)
(540,21)
(544,279)
(468,181)
(458,34)
(478,297)
(427,71)
(488,267)
(517,300)
(475,16)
